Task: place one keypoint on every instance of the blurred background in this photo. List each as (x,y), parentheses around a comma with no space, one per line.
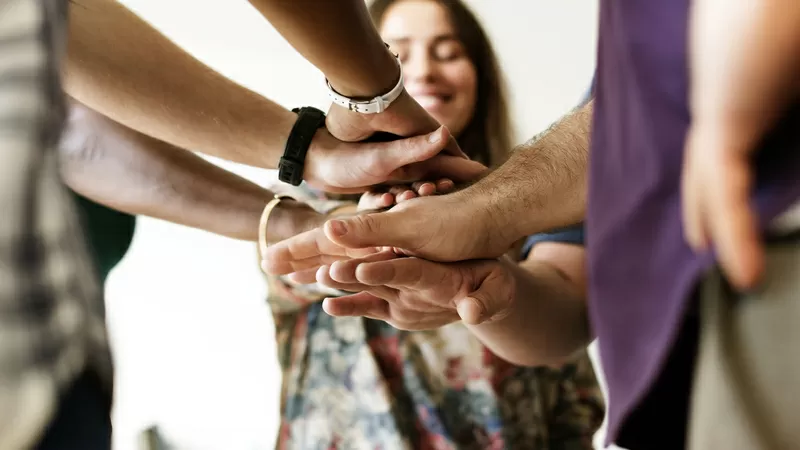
(192,336)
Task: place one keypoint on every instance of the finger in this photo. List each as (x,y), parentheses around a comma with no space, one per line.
(384,229)
(304,276)
(384,158)
(344,271)
(401,192)
(734,227)
(453,148)
(457,169)
(404,273)
(301,266)
(424,188)
(491,300)
(398,189)
(375,200)
(280,258)
(445,186)
(692,200)
(306,251)
(405,196)
(323,277)
(360,304)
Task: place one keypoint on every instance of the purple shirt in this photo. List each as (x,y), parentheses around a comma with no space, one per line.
(641,272)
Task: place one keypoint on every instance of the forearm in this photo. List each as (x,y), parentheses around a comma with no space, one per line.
(128,171)
(745,58)
(339,38)
(543,185)
(546,323)
(121,66)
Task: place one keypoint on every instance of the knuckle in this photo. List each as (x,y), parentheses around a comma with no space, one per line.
(369,224)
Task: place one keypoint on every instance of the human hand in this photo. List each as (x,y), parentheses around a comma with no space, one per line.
(333,165)
(403,118)
(388,196)
(716,188)
(416,294)
(743,72)
(439,228)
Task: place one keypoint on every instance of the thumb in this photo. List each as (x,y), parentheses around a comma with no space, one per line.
(490,301)
(383,229)
(455,168)
(402,152)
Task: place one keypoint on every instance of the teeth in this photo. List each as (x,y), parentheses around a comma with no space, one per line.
(429,100)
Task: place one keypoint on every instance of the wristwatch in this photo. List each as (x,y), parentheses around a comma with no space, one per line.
(376,105)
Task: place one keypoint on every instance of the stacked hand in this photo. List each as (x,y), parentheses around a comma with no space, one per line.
(333,165)
(360,252)
(403,118)
(443,228)
(416,294)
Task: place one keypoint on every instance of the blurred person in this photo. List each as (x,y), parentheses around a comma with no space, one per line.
(52,331)
(360,383)
(691,230)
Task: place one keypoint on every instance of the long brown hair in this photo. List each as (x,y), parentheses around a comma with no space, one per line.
(487,137)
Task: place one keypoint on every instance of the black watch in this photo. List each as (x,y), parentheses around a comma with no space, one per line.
(292,163)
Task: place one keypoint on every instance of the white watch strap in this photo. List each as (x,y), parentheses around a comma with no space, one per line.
(374,106)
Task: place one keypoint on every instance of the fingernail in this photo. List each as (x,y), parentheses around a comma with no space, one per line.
(338,227)
(435,137)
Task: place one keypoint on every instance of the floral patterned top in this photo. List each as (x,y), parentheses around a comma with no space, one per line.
(355,383)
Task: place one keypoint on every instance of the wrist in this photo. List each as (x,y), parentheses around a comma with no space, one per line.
(491,215)
(290,218)
(314,168)
(379,79)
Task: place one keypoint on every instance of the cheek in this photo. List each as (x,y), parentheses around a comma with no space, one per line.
(464,82)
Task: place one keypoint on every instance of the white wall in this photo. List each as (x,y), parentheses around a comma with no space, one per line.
(192,336)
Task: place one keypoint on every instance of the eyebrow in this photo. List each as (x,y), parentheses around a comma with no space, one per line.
(436,39)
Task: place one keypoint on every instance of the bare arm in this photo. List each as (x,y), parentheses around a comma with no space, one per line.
(547,322)
(124,68)
(545,177)
(339,38)
(744,61)
(128,171)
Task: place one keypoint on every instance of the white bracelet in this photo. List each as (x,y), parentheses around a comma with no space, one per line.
(376,105)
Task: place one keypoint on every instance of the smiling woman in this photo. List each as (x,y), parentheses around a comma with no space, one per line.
(451,70)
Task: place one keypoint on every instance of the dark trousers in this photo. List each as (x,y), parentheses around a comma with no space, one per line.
(83,418)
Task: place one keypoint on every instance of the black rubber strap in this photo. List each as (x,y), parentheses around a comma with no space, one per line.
(292,163)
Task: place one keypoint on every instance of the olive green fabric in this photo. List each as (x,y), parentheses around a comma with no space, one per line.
(109,234)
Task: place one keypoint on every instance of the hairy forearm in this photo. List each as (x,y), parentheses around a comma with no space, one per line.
(547,321)
(339,38)
(130,172)
(122,67)
(745,57)
(543,185)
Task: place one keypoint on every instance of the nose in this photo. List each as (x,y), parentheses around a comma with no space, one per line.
(419,66)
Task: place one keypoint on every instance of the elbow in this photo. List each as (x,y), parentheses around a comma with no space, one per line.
(79,148)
